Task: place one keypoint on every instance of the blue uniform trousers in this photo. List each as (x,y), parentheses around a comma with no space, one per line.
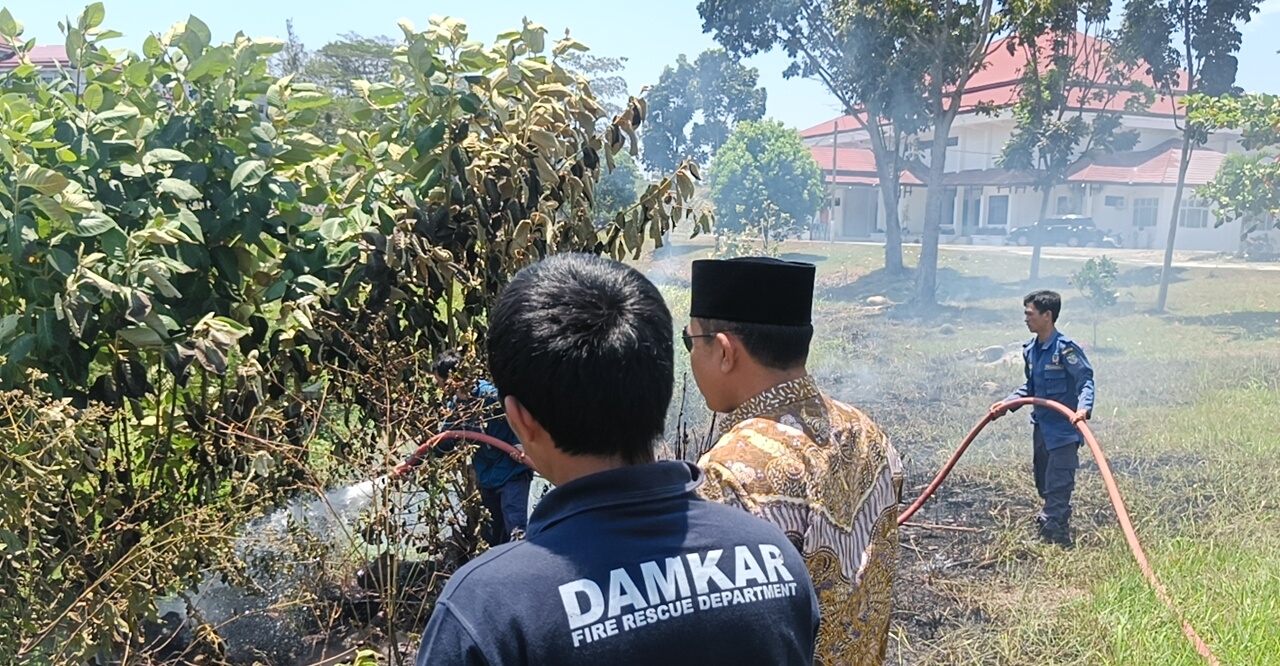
(1055,472)
(508,507)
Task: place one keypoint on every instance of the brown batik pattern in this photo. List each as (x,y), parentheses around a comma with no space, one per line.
(826,474)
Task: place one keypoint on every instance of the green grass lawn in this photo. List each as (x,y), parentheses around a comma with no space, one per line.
(1188,413)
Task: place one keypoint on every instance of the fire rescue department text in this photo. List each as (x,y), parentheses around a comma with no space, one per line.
(676,587)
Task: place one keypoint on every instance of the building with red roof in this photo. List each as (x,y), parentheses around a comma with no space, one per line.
(46,59)
(1129,194)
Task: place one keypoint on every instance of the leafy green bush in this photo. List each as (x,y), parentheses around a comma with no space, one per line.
(1096,281)
(762,172)
(209,308)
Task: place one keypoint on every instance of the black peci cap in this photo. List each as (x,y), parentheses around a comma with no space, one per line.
(753,290)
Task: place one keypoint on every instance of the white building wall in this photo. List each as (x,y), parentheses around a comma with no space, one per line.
(973,150)
(1131,220)
(1024,205)
(858,215)
(979,141)
(1221,239)
(1131,212)
(911,211)
(1119,218)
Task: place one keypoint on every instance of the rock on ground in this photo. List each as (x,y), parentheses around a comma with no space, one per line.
(991,354)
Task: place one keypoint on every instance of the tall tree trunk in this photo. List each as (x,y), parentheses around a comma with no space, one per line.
(1037,237)
(927,273)
(1165,273)
(889,171)
(889,194)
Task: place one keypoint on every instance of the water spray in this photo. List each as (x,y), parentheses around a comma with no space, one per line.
(1122,513)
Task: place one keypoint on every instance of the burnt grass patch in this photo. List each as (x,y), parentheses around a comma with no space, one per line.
(950,546)
(959,553)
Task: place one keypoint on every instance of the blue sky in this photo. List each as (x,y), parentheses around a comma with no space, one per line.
(650,35)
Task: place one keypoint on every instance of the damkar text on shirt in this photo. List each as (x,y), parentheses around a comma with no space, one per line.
(674,588)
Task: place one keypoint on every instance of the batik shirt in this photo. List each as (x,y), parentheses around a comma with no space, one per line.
(826,474)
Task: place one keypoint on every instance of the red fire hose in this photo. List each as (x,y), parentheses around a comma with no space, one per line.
(1116,500)
(416,459)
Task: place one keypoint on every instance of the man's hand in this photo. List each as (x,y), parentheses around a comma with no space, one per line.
(999,409)
(517,454)
(1081,415)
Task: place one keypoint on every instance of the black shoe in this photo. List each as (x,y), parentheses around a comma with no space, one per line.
(1056,534)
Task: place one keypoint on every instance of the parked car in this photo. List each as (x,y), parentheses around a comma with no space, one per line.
(1070,230)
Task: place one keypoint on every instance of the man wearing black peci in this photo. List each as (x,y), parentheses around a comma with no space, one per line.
(622,563)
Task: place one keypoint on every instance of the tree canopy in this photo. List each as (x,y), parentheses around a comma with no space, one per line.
(898,67)
(762,171)
(695,106)
(860,52)
(1247,186)
(1189,47)
(603,73)
(617,190)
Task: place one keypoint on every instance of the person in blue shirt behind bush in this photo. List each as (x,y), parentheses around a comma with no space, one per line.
(503,480)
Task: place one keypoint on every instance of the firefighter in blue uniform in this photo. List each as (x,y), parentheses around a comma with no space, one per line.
(503,480)
(1056,369)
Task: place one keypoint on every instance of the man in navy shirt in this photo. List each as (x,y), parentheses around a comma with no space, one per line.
(622,563)
(1055,369)
(503,481)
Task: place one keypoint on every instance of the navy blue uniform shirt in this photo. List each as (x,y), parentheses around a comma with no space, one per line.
(629,567)
(494,468)
(1056,370)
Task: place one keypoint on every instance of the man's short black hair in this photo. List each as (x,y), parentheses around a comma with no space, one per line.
(445,364)
(1045,301)
(773,346)
(585,344)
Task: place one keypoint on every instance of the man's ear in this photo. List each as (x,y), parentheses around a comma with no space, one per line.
(522,422)
(729,350)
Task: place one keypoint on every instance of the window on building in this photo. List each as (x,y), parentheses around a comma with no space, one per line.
(1195,214)
(1146,212)
(998,210)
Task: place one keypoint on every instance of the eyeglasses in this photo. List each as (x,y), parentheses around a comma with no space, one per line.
(688,339)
